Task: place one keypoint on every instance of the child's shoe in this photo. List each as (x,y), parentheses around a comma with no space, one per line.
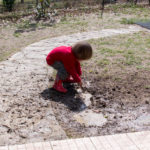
(58,86)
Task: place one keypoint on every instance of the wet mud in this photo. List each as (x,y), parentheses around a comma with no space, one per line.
(119,106)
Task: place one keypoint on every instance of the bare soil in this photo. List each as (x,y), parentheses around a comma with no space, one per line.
(121,103)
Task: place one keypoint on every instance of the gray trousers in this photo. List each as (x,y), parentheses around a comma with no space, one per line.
(61,71)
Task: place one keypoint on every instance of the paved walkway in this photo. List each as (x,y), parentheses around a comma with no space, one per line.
(129,141)
(24,115)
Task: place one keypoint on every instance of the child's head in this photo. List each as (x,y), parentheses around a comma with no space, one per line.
(82,50)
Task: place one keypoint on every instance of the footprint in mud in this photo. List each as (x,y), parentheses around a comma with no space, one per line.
(71,99)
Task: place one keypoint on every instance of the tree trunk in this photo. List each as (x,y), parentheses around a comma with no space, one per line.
(22,1)
(37,1)
(103,5)
(135,2)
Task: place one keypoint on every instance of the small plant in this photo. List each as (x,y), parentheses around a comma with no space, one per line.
(133,20)
(147,87)
(41,8)
(132,60)
(8,4)
(139,67)
(16,34)
(103,62)
(127,21)
(106,50)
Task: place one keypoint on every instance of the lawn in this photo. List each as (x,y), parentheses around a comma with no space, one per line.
(124,51)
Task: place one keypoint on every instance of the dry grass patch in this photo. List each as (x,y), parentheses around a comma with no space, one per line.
(11,42)
(120,66)
(128,51)
(115,16)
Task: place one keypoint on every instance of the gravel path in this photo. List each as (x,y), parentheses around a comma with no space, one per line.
(24,115)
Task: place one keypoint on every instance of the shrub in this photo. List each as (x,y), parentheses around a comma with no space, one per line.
(41,8)
(8,4)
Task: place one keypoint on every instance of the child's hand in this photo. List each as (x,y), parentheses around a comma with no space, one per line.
(80,84)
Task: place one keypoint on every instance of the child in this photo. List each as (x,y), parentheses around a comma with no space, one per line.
(66,60)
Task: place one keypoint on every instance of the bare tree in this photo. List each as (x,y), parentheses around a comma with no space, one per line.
(103,5)
(37,1)
(132,1)
(135,2)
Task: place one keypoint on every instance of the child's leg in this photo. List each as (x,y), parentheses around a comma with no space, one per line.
(61,71)
(61,76)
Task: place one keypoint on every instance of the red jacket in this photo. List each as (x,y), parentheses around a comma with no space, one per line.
(64,54)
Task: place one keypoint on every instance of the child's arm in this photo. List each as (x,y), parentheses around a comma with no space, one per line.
(71,69)
(78,68)
(80,84)
(75,75)
(79,71)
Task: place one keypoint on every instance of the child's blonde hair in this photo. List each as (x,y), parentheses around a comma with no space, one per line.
(82,50)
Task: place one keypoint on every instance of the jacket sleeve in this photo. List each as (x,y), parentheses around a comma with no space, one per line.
(49,59)
(71,69)
(78,68)
(75,75)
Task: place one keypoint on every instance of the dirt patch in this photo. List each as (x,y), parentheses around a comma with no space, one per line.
(112,101)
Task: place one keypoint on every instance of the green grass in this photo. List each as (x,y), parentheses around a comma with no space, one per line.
(147,87)
(138,10)
(133,20)
(18,1)
(26,25)
(106,50)
(16,34)
(6,54)
(122,52)
(131,59)
(72,23)
(103,62)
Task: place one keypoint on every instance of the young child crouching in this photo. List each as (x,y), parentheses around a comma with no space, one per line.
(66,60)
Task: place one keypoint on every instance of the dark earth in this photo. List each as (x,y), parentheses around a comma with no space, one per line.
(124,103)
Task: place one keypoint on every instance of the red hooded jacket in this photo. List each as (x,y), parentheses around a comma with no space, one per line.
(65,55)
